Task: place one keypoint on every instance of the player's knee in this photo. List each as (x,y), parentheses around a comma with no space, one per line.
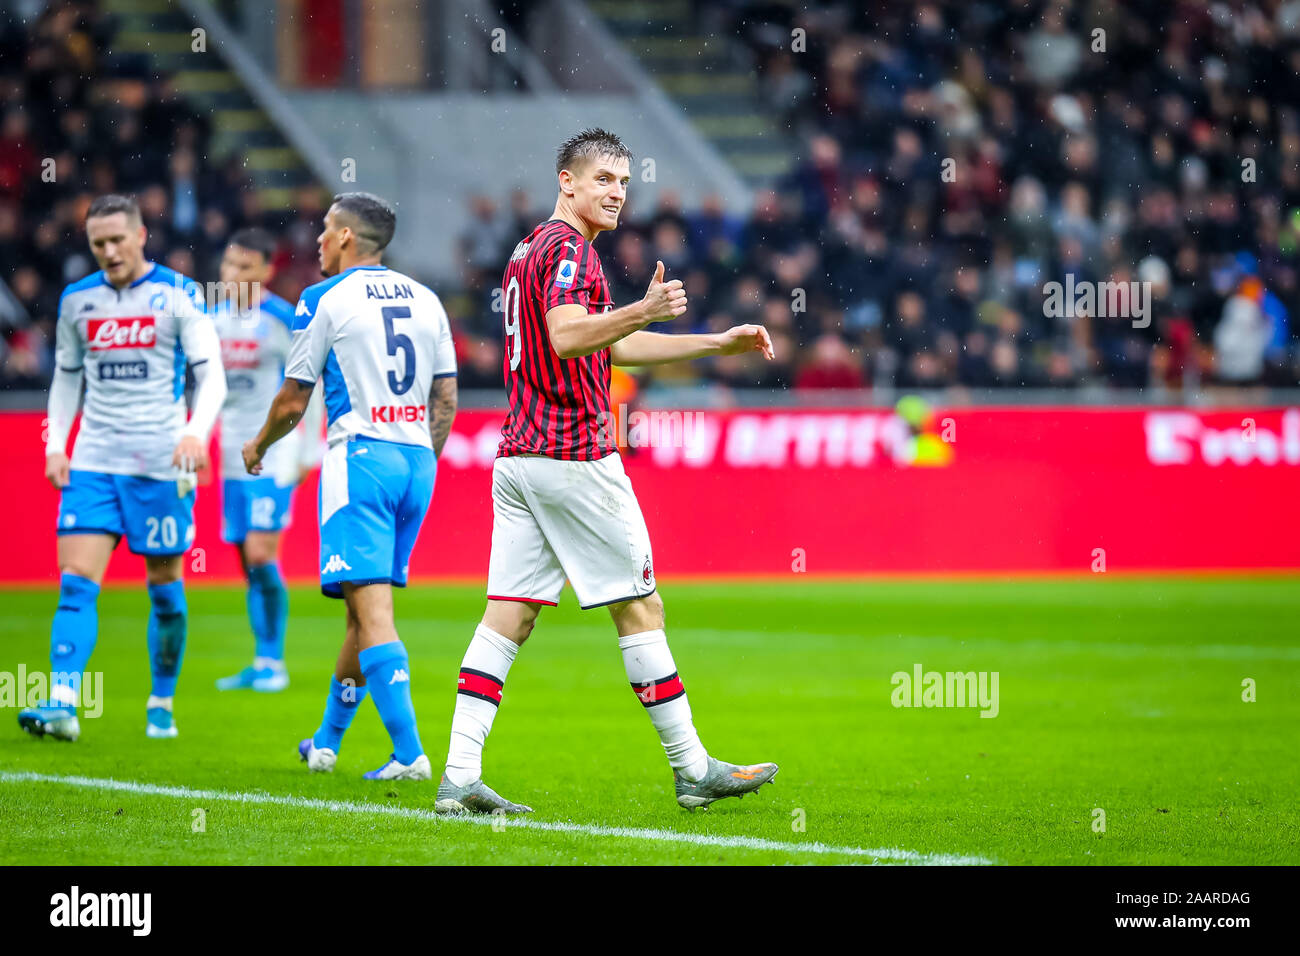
(513,620)
(635,617)
(80,569)
(76,591)
(652,607)
(522,624)
(163,570)
(259,549)
(86,556)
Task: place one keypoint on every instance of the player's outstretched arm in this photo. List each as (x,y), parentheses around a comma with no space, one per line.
(443,398)
(655,348)
(575,332)
(286,410)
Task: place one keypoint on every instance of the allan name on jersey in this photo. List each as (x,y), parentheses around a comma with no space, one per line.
(378,290)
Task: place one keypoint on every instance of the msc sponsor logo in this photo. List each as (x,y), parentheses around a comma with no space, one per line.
(397,413)
(134,332)
(119,371)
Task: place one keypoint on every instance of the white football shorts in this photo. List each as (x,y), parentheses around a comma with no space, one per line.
(553,519)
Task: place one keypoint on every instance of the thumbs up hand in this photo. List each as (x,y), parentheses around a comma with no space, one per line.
(663,300)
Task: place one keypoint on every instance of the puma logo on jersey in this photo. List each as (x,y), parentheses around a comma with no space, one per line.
(400,676)
(335,563)
(397,413)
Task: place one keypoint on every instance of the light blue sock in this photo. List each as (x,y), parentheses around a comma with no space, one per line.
(166,635)
(268,609)
(72,635)
(340,707)
(388,675)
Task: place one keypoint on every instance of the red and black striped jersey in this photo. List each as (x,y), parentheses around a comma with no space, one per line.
(558,407)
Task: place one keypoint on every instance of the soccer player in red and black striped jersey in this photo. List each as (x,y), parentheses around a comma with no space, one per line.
(558,405)
(562,505)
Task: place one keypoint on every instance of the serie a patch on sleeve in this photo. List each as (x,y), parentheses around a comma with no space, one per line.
(566,273)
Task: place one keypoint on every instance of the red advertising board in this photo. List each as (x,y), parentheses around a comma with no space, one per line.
(840,491)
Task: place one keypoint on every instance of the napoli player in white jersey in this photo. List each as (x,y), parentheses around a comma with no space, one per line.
(380,345)
(255,326)
(130,330)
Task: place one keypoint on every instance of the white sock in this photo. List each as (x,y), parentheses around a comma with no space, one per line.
(650,668)
(478,694)
(164,702)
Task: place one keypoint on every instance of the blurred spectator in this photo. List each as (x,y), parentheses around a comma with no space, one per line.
(831,365)
(1242,336)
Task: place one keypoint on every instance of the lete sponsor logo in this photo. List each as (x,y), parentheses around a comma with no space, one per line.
(134,332)
(239,353)
(1185,438)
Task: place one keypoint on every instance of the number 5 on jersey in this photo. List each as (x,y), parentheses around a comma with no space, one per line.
(396,341)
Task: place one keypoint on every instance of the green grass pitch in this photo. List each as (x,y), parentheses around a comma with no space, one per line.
(1116,694)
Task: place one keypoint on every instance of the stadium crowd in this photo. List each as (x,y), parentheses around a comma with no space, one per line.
(956,158)
(76,122)
(959,157)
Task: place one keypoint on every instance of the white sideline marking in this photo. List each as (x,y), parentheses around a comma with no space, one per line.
(632,833)
(1209,652)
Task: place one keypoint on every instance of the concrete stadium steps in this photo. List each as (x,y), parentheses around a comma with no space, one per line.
(708,77)
(161,31)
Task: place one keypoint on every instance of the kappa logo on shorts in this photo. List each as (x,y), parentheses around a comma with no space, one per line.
(335,563)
